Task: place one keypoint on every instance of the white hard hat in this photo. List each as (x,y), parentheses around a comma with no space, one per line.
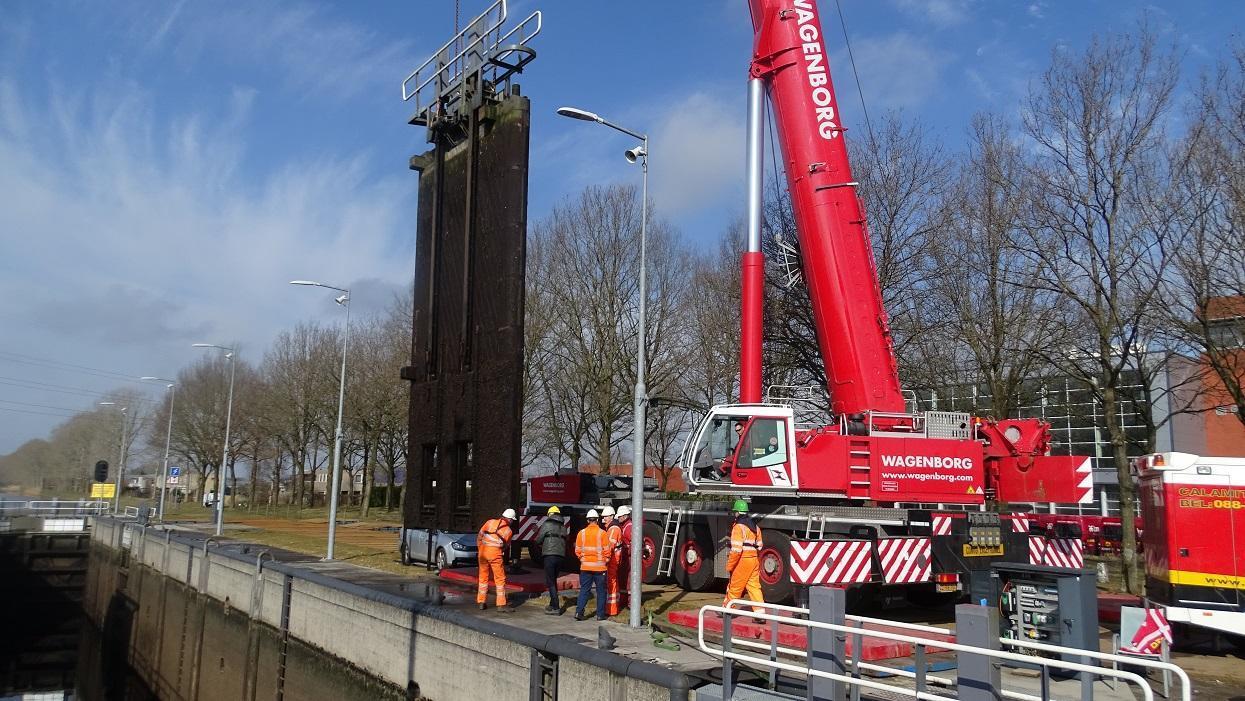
(508,513)
(624,511)
(592,513)
(607,511)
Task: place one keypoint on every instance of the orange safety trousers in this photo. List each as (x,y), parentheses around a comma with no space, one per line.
(746,576)
(491,561)
(613,602)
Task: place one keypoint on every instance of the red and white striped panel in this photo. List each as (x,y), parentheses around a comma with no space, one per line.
(831,561)
(1065,552)
(1020,523)
(905,560)
(528,525)
(1037,550)
(941,524)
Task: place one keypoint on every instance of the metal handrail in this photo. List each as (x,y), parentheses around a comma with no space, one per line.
(1186,685)
(470,25)
(488,39)
(45,507)
(1147,692)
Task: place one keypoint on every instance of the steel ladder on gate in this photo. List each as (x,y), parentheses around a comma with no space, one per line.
(669,541)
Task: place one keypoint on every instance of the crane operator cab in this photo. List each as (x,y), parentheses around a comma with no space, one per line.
(732,447)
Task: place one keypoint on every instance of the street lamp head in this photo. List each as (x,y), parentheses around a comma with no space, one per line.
(342,299)
(313,283)
(576,113)
(634,154)
(107,403)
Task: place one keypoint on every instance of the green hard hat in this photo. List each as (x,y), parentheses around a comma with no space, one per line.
(740,506)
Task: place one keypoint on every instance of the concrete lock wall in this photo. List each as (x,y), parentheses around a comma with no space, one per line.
(209,626)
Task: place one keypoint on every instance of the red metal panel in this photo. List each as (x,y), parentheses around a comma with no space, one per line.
(823,462)
(1045,478)
(853,331)
(926,470)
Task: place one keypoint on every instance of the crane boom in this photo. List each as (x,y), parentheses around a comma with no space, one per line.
(853,333)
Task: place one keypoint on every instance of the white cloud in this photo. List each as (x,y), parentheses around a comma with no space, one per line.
(124,238)
(698,153)
(896,71)
(943,13)
(309,49)
(1037,10)
(696,147)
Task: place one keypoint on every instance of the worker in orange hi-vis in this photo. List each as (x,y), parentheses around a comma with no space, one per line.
(743,564)
(614,532)
(492,540)
(624,556)
(592,548)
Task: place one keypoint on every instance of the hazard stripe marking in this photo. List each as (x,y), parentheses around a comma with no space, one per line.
(528,525)
(905,560)
(830,561)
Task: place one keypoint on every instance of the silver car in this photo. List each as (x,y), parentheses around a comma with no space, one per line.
(449,549)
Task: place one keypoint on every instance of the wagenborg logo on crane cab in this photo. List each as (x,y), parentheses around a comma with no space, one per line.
(815,66)
(936,462)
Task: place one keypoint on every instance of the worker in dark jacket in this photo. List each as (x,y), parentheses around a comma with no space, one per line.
(552,541)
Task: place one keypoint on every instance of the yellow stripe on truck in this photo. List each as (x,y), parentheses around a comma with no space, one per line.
(1205,579)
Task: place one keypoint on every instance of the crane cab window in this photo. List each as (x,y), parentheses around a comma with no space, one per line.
(764,445)
(716,447)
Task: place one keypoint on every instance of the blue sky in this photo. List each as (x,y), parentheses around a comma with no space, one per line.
(165,167)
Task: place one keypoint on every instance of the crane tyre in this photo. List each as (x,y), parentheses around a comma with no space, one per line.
(693,564)
(775,567)
(650,539)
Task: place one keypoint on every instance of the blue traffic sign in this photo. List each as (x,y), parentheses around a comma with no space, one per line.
(175,471)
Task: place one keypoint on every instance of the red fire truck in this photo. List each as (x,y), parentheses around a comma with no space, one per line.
(1193,511)
(874,493)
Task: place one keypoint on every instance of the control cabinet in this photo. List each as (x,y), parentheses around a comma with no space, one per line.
(1052,605)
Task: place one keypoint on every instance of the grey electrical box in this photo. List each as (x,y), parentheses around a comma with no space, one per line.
(1051,605)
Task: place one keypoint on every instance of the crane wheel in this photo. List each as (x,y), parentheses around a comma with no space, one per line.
(693,558)
(775,566)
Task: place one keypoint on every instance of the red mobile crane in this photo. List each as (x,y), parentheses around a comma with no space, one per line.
(835,496)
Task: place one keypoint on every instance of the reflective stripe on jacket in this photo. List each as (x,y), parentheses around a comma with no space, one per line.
(592,547)
(614,532)
(745,540)
(495,533)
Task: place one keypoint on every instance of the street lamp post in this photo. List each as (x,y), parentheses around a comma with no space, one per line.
(638,153)
(168,437)
(220,471)
(343,300)
(116,496)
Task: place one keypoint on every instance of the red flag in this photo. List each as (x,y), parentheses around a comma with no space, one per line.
(1149,638)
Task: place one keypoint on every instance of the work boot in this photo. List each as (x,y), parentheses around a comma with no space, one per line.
(551,611)
(481,605)
(579,616)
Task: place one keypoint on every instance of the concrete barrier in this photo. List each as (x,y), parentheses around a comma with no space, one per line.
(218,619)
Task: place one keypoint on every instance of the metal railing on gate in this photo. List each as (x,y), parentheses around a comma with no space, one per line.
(53,507)
(917,636)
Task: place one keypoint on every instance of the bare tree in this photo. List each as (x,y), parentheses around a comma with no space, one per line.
(982,327)
(1209,290)
(1094,237)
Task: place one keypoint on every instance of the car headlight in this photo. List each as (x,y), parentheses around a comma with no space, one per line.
(458,546)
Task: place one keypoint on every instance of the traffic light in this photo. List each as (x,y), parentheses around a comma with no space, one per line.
(101,471)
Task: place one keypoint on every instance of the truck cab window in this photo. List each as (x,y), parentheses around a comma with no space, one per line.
(764,445)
